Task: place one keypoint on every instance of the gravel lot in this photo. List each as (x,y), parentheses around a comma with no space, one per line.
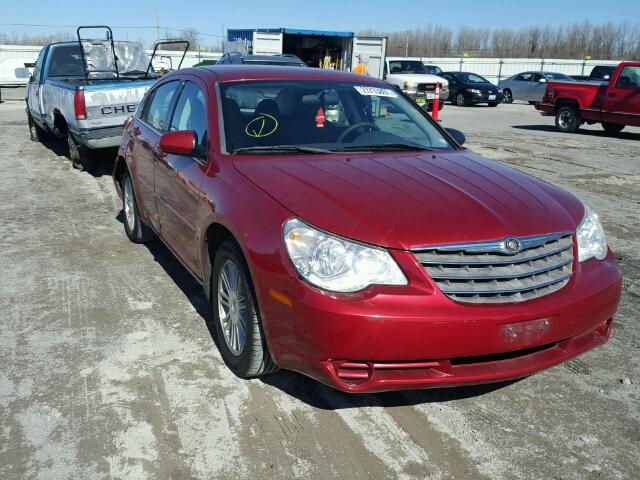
(108,368)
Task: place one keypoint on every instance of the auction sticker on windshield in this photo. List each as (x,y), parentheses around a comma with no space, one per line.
(376,91)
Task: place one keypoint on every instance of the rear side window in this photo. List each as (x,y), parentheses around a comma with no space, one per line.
(156,108)
(191,113)
(66,61)
(629,78)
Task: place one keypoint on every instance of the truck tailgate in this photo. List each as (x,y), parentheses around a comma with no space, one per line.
(109,104)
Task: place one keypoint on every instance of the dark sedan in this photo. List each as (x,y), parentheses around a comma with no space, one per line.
(466,88)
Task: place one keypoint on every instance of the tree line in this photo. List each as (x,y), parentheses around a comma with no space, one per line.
(616,41)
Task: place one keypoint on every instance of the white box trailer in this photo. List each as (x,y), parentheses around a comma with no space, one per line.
(338,50)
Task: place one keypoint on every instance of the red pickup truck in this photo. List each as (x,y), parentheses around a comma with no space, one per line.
(613,104)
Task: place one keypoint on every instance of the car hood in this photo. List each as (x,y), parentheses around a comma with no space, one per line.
(481,86)
(418,78)
(406,201)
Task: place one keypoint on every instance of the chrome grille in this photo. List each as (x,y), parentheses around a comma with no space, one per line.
(487,272)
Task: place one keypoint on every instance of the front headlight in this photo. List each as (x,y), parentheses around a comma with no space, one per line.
(474,91)
(337,264)
(410,85)
(592,241)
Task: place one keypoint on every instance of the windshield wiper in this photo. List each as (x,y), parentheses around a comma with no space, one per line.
(382,146)
(280,148)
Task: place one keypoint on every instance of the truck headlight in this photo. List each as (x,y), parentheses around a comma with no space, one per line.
(410,85)
(592,241)
(334,263)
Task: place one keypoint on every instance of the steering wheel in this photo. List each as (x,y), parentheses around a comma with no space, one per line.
(352,128)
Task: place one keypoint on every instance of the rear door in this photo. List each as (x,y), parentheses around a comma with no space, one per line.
(178,178)
(622,98)
(267,43)
(149,126)
(373,47)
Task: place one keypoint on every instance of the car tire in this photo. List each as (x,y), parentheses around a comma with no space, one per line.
(493,104)
(79,155)
(568,119)
(235,308)
(135,229)
(440,105)
(531,102)
(612,127)
(460,100)
(507,96)
(36,134)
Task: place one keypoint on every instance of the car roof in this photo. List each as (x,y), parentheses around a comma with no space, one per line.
(233,73)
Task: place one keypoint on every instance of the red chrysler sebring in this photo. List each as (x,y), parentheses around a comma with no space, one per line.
(339,232)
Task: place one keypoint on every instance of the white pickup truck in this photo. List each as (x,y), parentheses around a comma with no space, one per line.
(84,91)
(412,77)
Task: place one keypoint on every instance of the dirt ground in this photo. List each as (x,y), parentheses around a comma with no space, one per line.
(108,368)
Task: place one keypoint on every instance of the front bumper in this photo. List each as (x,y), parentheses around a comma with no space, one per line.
(426,98)
(389,338)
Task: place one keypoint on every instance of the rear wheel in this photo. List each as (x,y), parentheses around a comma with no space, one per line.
(568,119)
(460,100)
(612,127)
(137,231)
(238,326)
(493,104)
(507,96)
(79,155)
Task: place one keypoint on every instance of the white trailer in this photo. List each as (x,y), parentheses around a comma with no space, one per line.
(318,48)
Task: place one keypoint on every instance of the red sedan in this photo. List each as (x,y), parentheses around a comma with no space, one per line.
(340,232)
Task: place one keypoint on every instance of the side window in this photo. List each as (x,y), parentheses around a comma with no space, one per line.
(191,113)
(156,109)
(524,77)
(537,77)
(629,78)
(38,67)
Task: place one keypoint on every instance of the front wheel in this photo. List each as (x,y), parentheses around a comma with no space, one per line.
(241,340)
(493,104)
(568,119)
(612,127)
(36,134)
(507,96)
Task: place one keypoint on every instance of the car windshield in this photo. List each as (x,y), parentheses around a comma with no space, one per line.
(304,116)
(471,78)
(406,66)
(558,76)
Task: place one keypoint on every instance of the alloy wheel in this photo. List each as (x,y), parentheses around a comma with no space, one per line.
(233,307)
(565,119)
(129,205)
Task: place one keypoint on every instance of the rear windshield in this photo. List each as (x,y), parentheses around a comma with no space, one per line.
(328,116)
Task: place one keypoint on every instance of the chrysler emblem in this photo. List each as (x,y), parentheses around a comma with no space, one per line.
(512,245)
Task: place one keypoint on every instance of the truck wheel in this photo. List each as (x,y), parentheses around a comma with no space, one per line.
(137,231)
(78,155)
(507,96)
(36,134)
(612,127)
(568,119)
(460,100)
(241,340)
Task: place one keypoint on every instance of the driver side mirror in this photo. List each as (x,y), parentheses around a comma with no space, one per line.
(182,142)
(457,135)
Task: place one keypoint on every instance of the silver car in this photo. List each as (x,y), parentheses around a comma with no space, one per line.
(529,86)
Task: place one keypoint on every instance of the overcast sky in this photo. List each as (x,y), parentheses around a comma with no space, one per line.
(211,16)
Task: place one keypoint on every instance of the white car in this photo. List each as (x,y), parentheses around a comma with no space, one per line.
(412,77)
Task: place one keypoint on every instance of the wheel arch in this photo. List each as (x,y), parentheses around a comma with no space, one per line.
(214,235)
(566,102)
(60,123)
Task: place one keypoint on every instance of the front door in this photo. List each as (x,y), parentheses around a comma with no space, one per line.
(148,127)
(34,92)
(522,86)
(622,99)
(178,178)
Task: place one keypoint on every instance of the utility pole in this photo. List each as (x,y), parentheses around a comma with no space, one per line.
(157,26)
(406,48)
